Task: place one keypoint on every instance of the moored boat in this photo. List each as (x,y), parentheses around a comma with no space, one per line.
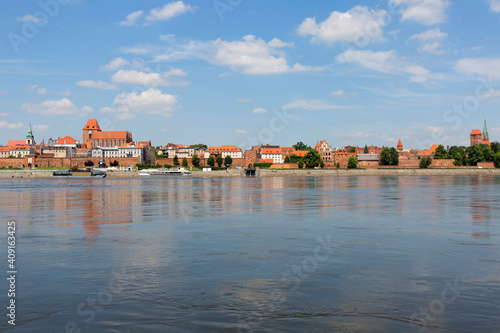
(179,172)
(79,173)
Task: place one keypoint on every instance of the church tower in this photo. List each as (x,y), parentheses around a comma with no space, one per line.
(486,136)
(30,139)
(400,146)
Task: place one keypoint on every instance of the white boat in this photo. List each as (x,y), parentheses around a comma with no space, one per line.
(179,172)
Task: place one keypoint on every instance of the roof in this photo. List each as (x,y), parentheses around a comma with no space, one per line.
(21,148)
(4,148)
(92,124)
(223,148)
(368,157)
(13,143)
(67,140)
(400,144)
(271,151)
(300,153)
(476,132)
(430,151)
(110,135)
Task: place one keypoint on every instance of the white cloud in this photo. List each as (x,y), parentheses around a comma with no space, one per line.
(312,105)
(149,79)
(170,10)
(251,55)
(6,125)
(356,25)
(152,101)
(431,41)
(40,128)
(495,5)
(44,91)
(342,93)
(487,67)
(245,100)
(425,12)
(132,18)
(387,62)
(97,85)
(4,114)
(56,107)
(32,19)
(241,131)
(165,130)
(115,64)
(492,94)
(259,110)
(4,93)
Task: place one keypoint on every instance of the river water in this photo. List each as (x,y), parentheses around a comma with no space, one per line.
(353,254)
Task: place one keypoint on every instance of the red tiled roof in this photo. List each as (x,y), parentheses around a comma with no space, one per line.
(300,153)
(92,124)
(271,151)
(223,148)
(476,132)
(67,140)
(110,135)
(13,143)
(4,149)
(400,144)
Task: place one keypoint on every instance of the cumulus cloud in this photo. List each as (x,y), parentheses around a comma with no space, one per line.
(170,10)
(56,108)
(40,128)
(342,93)
(149,79)
(241,131)
(32,19)
(430,41)
(251,55)
(359,24)
(152,101)
(4,114)
(487,67)
(101,85)
(495,5)
(389,63)
(132,18)
(45,91)
(425,12)
(314,105)
(259,110)
(5,125)
(115,64)
(492,94)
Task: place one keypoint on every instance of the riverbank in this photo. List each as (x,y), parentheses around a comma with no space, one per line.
(234,173)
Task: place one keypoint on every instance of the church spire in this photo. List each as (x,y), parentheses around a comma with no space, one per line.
(486,136)
(30,138)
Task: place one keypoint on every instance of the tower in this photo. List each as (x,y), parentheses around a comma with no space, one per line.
(400,146)
(30,139)
(485,136)
(90,128)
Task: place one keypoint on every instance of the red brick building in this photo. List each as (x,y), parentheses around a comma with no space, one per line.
(93,136)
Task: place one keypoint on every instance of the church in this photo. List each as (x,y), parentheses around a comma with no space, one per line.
(94,137)
(477,138)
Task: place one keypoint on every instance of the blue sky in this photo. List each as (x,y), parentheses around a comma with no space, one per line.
(247,72)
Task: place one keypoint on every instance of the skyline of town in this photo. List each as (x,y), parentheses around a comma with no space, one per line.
(351,73)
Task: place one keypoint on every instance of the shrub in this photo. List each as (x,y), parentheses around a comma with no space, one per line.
(425,162)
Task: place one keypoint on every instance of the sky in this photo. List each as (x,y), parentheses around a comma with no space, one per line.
(247,72)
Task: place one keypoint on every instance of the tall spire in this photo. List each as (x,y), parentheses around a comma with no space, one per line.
(30,138)
(486,136)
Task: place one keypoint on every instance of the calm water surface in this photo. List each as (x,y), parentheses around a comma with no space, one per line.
(360,254)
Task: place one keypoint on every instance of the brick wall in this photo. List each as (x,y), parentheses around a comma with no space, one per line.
(284,166)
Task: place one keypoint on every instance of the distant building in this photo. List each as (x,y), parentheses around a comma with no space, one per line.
(93,136)
(400,145)
(273,154)
(227,150)
(477,137)
(325,151)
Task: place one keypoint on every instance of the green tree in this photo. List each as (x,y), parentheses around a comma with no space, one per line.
(211,160)
(338,165)
(301,146)
(425,162)
(199,145)
(300,164)
(389,156)
(441,153)
(228,161)
(185,162)
(460,158)
(366,149)
(352,150)
(497,159)
(352,162)
(287,159)
(495,146)
(489,155)
(322,164)
(479,153)
(312,159)
(176,160)
(219,160)
(195,160)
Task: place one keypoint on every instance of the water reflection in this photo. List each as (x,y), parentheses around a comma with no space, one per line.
(212,254)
